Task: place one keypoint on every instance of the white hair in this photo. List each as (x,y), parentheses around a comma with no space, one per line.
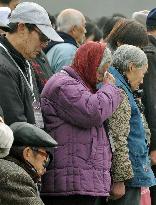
(107,57)
(69,18)
(127,54)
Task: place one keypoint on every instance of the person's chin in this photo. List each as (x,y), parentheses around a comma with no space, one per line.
(34,55)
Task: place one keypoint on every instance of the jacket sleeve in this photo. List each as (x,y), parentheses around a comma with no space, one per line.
(119,128)
(10,97)
(78,106)
(149,99)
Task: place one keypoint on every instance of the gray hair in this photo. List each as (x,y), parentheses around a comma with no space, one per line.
(69,18)
(127,54)
(107,57)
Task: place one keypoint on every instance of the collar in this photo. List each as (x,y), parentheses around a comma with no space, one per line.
(67,39)
(26,166)
(19,59)
(121,77)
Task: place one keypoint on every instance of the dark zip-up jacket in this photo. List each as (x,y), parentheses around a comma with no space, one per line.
(149,87)
(15,94)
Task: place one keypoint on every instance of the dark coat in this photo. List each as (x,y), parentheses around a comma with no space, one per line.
(16,185)
(15,95)
(149,87)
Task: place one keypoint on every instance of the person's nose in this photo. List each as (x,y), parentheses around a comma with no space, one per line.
(44,45)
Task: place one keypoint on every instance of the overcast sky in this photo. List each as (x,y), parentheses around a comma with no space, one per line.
(98,8)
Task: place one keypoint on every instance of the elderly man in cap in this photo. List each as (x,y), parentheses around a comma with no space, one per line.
(30,31)
(149,86)
(21,170)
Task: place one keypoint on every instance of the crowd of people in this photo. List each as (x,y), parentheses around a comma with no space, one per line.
(77,107)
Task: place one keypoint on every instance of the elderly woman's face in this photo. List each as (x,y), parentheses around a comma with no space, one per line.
(136,75)
(101,71)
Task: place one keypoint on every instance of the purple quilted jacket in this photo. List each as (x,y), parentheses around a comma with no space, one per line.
(75,116)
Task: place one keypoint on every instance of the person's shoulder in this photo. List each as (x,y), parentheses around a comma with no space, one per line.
(59,83)
(11,169)
(6,63)
(60,79)
(63,48)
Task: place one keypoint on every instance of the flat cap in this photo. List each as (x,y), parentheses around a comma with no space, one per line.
(26,134)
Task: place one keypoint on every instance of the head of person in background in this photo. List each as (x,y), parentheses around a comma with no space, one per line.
(132,63)
(100,22)
(72,22)
(151,22)
(9,3)
(127,32)
(6,137)
(93,33)
(29,35)
(119,15)
(140,16)
(108,26)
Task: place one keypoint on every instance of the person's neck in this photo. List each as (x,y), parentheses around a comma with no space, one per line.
(72,35)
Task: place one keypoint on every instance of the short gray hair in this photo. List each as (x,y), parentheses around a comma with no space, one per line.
(127,54)
(107,57)
(69,18)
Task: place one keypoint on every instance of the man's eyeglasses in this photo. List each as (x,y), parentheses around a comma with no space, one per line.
(43,38)
(45,154)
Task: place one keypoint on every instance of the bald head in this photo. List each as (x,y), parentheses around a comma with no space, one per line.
(69,18)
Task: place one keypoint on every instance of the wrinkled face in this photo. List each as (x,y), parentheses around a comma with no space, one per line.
(37,158)
(32,42)
(135,76)
(13,4)
(79,32)
(100,72)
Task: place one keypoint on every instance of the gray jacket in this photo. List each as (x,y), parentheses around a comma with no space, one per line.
(17,186)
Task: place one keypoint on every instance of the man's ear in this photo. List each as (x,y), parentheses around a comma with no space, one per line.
(27,153)
(72,31)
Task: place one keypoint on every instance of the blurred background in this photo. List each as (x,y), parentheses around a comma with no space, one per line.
(98,8)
